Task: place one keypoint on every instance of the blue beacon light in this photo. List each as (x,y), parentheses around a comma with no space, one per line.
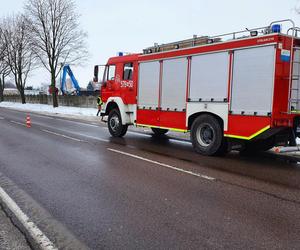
(276,28)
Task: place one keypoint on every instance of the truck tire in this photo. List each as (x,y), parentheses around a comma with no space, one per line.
(115,126)
(159,131)
(207,136)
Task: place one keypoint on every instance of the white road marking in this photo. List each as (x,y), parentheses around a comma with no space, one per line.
(43,116)
(80,123)
(92,137)
(39,237)
(87,136)
(163,164)
(18,123)
(2,118)
(64,136)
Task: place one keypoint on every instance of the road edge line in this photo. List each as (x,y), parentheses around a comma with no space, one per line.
(40,239)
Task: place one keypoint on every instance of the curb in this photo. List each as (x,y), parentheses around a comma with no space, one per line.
(36,238)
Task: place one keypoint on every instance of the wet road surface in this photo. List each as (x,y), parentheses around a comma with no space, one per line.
(85,189)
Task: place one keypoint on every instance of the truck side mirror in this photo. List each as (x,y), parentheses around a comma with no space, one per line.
(96,72)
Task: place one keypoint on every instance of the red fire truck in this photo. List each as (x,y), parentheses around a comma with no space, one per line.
(233,91)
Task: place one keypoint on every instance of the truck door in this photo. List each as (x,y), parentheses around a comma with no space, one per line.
(107,88)
(127,84)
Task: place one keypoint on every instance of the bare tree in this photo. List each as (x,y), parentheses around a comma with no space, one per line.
(56,35)
(4,66)
(20,57)
(4,72)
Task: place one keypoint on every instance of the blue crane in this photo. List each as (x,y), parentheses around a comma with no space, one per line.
(67,70)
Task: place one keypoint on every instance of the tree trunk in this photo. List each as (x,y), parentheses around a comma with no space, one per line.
(1,88)
(53,87)
(55,101)
(22,93)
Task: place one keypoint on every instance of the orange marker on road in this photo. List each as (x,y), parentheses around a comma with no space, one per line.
(28,121)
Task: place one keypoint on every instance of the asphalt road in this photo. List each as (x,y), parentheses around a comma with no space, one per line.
(85,189)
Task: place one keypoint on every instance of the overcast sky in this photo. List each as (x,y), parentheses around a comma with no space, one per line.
(131,25)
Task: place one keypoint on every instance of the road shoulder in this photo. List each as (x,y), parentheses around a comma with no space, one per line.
(10,236)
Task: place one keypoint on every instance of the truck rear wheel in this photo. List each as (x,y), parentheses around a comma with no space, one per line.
(159,131)
(115,126)
(207,136)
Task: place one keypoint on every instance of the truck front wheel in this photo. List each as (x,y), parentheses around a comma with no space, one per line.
(207,136)
(115,126)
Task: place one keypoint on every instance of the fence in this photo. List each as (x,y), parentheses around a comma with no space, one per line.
(72,101)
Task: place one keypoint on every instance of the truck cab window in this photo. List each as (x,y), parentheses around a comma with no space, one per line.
(109,73)
(128,71)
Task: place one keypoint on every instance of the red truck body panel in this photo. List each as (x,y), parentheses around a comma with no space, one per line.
(240,126)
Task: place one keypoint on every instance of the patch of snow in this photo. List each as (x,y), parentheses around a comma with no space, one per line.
(42,108)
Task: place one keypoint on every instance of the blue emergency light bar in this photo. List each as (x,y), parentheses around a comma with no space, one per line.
(276,28)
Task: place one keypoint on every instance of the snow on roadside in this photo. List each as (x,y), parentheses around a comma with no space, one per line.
(42,108)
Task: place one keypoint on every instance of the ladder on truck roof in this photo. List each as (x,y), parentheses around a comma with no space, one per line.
(294,75)
(205,40)
(295,81)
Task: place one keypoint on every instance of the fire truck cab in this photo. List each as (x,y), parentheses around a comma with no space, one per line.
(233,91)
